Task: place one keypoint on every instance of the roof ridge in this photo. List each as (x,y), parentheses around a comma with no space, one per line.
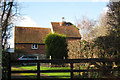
(32,27)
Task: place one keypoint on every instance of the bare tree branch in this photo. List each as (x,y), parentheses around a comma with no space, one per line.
(8,12)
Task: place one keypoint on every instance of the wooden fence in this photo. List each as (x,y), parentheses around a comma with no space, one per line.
(93,61)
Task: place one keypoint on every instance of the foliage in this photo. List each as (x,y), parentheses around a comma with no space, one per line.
(5,62)
(83,49)
(110,43)
(69,23)
(73,25)
(114,21)
(8,10)
(113,14)
(56,46)
(76,27)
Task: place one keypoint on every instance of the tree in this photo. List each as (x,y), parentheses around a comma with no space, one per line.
(101,26)
(86,27)
(56,46)
(113,21)
(111,42)
(113,16)
(8,10)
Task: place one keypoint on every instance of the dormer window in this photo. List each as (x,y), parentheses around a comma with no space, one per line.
(34,46)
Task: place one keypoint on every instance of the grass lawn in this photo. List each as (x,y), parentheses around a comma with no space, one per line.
(61,75)
(15,69)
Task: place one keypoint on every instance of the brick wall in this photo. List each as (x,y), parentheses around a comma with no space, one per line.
(41,51)
(27,48)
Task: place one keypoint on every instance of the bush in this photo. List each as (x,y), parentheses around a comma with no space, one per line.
(56,46)
(5,62)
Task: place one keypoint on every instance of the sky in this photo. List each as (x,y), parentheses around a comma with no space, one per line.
(41,14)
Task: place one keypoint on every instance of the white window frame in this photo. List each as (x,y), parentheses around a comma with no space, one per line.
(33,46)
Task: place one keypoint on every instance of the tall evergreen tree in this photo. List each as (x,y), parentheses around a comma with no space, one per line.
(110,43)
(56,46)
(113,20)
(113,17)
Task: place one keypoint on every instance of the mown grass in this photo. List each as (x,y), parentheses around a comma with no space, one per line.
(15,69)
(60,75)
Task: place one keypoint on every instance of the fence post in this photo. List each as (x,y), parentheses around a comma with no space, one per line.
(9,66)
(38,70)
(50,63)
(104,72)
(71,66)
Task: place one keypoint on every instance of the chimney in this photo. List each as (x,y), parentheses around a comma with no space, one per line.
(63,19)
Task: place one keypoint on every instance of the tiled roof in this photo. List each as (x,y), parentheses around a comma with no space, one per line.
(30,34)
(67,30)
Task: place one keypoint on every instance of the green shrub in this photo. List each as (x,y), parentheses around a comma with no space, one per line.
(5,62)
(56,46)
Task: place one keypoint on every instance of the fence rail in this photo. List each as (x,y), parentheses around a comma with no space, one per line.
(93,61)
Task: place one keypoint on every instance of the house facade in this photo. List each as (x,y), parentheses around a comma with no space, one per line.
(30,40)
